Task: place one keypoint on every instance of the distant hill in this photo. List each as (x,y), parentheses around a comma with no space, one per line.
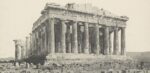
(141,56)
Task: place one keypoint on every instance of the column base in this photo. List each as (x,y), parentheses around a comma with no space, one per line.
(86,51)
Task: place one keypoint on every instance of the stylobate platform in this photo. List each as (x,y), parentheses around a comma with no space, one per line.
(69,58)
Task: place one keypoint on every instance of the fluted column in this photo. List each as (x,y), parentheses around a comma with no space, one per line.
(86,38)
(31,48)
(36,43)
(110,44)
(45,40)
(97,48)
(63,37)
(27,47)
(22,52)
(74,38)
(51,35)
(106,40)
(116,42)
(80,39)
(68,39)
(17,50)
(34,39)
(123,50)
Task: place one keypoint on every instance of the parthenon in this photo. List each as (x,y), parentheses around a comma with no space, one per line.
(75,28)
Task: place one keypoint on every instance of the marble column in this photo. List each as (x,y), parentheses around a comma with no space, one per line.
(63,37)
(31,39)
(36,43)
(68,39)
(34,39)
(106,40)
(97,47)
(116,42)
(86,38)
(41,42)
(123,50)
(80,39)
(17,50)
(27,47)
(110,44)
(45,40)
(51,35)
(74,38)
(22,52)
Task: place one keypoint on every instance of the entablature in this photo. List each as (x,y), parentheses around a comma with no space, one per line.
(59,12)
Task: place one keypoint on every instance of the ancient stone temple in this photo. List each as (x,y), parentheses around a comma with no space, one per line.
(76,29)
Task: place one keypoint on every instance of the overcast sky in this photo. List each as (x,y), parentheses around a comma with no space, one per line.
(17,17)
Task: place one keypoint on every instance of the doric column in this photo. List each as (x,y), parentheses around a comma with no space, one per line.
(31,45)
(27,46)
(45,40)
(34,39)
(22,52)
(51,35)
(97,48)
(116,42)
(17,50)
(80,31)
(86,38)
(123,50)
(68,39)
(42,41)
(74,38)
(106,40)
(110,44)
(63,37)
(36,43)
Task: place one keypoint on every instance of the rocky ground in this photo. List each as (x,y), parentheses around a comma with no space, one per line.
(99,67)
(67,64)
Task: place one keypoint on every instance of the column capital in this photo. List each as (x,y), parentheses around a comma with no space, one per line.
(27,37)
(64,20)
(30,34)
(122,27)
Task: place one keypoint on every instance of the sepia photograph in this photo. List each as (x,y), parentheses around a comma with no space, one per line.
(74,36)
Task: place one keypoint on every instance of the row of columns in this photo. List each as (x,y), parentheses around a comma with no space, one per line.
(74,44)
(107,41)
(23,50)
(19,50)
(69,41)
